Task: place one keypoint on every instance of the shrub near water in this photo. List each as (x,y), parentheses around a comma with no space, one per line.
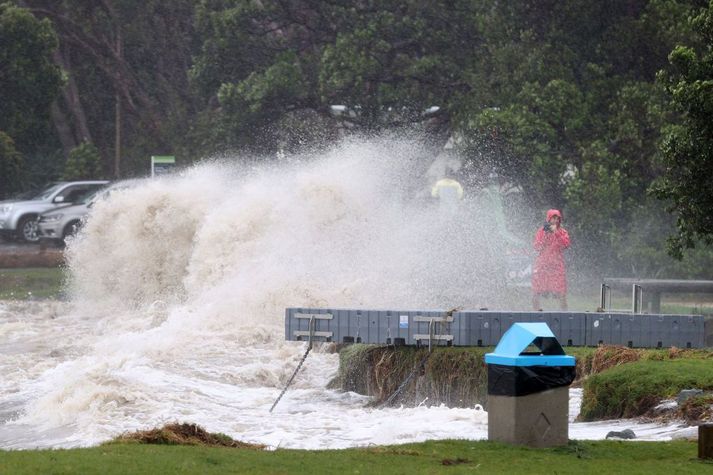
(632,389)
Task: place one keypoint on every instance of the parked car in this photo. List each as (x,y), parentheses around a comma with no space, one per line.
(18,219)
(54,226)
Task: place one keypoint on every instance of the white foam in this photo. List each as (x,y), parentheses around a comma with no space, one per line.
(179,287)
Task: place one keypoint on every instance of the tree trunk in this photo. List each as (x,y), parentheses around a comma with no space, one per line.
(117,116)
(64,130)
(71,98)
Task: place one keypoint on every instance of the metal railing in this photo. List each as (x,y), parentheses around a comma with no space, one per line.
(637,299)
(605,296)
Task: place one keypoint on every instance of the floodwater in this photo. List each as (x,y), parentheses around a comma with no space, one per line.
(178,290)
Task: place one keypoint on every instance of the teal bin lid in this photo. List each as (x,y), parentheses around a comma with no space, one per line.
(511,348)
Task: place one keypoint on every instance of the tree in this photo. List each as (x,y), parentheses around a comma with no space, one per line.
(83,163)
(385,61)
(29,80)
(10,166)
(688,148)
(557,77)
(127,63)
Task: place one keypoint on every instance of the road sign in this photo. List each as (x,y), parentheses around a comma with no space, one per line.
(162,164)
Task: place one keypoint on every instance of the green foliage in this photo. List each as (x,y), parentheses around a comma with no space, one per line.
(84,163)
(567,109)
(29,80)
(10,166)
(688,147)
(385,62)
(231,46)
(259,99)
(630,390)
(391,62)
(558,98)
(594,197)
(136,53)
(642,246)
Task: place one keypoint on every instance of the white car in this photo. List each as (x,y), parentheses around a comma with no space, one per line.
(58,224)
(18,219)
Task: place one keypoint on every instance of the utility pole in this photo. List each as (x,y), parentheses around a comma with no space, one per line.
(117,115)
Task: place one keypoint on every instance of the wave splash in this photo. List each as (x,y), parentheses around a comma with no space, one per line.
(179,287)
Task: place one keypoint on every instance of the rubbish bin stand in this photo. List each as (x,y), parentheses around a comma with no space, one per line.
(528,392)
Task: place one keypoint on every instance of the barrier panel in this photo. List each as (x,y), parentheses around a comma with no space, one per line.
(485,328)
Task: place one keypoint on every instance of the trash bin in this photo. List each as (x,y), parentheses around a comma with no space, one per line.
(528,391)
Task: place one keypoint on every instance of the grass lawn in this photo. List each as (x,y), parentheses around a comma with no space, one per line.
(28,283)
(679,457)
(631,389)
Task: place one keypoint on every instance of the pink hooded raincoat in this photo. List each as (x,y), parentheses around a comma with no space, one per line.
(549,272)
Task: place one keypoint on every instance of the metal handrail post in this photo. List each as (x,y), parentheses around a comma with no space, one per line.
(603,296)
(637,296)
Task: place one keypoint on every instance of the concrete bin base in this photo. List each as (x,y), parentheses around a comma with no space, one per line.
(535,420)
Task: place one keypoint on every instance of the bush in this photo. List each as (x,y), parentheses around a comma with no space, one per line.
(11,163)
(631,389)
(84,163)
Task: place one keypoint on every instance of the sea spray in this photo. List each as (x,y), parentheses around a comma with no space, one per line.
(181,283)
(352,227)
(179,286)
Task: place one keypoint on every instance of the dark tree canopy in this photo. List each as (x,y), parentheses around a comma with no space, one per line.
(558,99)
(687,182)
(29,80)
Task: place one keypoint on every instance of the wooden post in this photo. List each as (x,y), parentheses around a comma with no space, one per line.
(705,441)
(117,115)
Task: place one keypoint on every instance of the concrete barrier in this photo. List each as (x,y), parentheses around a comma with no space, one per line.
(485,328)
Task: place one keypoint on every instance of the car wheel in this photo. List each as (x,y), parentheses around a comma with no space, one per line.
(27,229)
(71,229)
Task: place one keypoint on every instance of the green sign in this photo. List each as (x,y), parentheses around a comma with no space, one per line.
(162,164)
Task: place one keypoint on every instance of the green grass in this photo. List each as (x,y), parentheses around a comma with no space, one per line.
(29,283)
(633,388)
(450,457)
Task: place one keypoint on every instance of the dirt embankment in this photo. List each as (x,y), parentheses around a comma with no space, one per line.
(457,377)
(184,434)
(13,256)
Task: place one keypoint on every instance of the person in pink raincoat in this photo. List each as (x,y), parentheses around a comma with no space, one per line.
(548,276)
